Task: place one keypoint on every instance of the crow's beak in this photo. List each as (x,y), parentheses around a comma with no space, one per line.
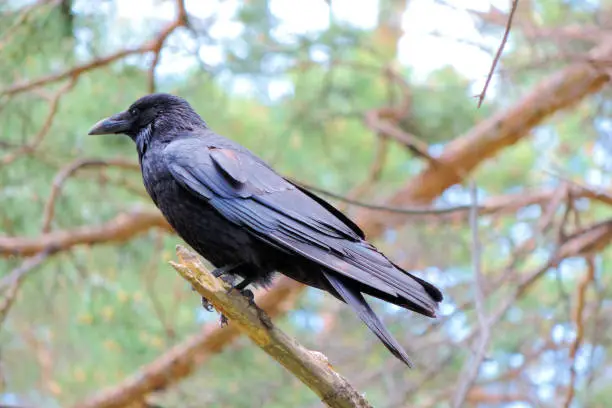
(119,123)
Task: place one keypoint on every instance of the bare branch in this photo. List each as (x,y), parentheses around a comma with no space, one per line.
(156,47)
(12,282)
(128,225)
(312,368)
(586,280)
(560,91)
(68,171)
(374,121)
(182,359)
(473,365)
(499,53)
(44,129)
(75,72)
(123,227)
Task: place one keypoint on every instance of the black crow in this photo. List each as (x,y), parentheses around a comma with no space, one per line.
(249,221)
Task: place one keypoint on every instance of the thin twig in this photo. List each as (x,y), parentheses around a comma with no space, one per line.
(12,282)
(499,53)
(579,325)
(408,211)
(68,171)
(156,48)
(44,129)
(473,365)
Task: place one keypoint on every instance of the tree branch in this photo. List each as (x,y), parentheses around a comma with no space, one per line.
(560,91)
(44,129)
(180,361)
(12,282)
(312,368)
(472,367)
(581,290)
(68,171)
(126,226)
(498,53)
(76,71)
(123,227)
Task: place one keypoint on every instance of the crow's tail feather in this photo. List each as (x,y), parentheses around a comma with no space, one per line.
(356,300)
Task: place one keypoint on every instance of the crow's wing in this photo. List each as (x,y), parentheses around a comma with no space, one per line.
(247,192)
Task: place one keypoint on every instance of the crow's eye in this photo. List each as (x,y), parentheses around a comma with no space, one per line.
(134,112)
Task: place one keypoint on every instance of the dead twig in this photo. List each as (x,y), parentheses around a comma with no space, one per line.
(473,365)
(123,227)
(586,280)
(499,53)
(68,171)
(44,129)
(157,45)
(12,282)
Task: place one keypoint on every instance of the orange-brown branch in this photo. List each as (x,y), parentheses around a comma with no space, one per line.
(560,91)
(75,72)
(123,227)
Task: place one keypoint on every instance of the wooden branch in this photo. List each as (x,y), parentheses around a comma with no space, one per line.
(11,283)
(500,49)
(156,47)
(579,319)
(560,91)
(312,368)
(182,359)
(123,227)
(68,171)
(44,129)
(75,72)
(126,226)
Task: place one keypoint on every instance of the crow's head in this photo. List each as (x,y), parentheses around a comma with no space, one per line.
(160,111)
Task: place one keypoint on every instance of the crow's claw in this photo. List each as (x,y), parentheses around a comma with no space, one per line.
(207,305)
(247,293)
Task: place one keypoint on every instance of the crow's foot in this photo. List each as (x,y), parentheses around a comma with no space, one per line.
(247,293)
(207,305)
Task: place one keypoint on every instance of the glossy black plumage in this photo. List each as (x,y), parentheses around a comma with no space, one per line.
(233,209)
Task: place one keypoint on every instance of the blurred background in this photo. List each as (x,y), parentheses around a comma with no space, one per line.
(374,101)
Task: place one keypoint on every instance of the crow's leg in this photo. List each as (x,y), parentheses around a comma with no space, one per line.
(224,273)
(241,287)
(224,270)
(221,272)
(230,280)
